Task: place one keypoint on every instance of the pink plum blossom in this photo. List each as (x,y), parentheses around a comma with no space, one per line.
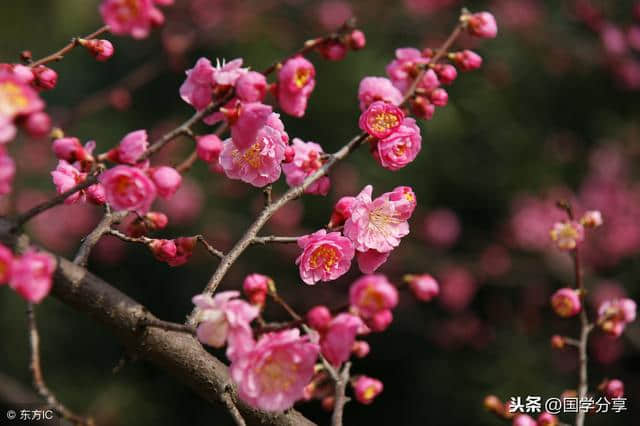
(614,315)
(102,50)
(306,162)
(38,124)
(259,164)
(131,17)
(252,117)
(163,250)
(337,341)
(366,389)
(167,180)
(273,374)
(371,295)
(566,302)
(255,287)
(369,261)
(197,90)
(131,148)
(375,224)
(567,234)
(128,188)
(208,148)
(71,150)
(319,318)
(224,318)
(325,256)
(341,211)
(613,388)
(251,87)
(399,148)
(404,68)
(32,275)
(184,250)
(482,24)
(381,119)
(227,73)
(17,99)
(65,177)
(296,81)
(374,89)
(424,286)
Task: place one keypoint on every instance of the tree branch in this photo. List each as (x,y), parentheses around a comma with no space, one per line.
(340,398)
(179,354)
(92,239)
(68,48)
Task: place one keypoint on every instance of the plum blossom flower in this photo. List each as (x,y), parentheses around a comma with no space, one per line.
(6,260)
(376,224)
(131,148)
(167,180)
(306,162)
(32,275)
(258,164)
(404,68)
(381,119)
(128,188)
(399,148)
(372,297)
(423,286)
(251,87)
(224,318)
(366,389)
(71,150)
(613,388)
(566,302)
(255,287)
(591,219)
(209,147)
(614,315)
(337,341)
(319,318)
(325,256)
(482,24)
(197,90)
(251,118)
(296,81)
(65,177)
(567,234)
(369,261)
(374,89)
(17,99)
(273,374)
(131,17)
(227,73)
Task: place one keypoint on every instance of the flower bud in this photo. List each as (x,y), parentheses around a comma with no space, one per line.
(167,180)
(439,97)
(289,154)
(591,219)
(319,317)
(341,212)
(558,342)
(380,321)
(612,388)
(208,148)
(523,420)
(566,302)
(423,108)
(328,403)
(424,286)
(156,220)
(547,419)
(68,149)
(447,73)
(366,389)
(333,50)
(102,50)
(38,124)
(46,78)
(467,60)
(360,348)
(357,40)
(163,250)
(255,287)
(493,404)
(482,24)
(251,87)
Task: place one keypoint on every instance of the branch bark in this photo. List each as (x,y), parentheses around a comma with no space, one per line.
(177,353)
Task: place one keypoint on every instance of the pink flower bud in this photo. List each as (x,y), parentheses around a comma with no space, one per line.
(547,419)
(558,342)
(482,24)
(381,119)
(447,73)
(360,348)
(424,286)
(38,124)
(163,250)
(328,402)
(366,389)
(493,404)
(6,260)
(156,220)
(423,108)
(357,40)
(255,287)
(439,97)
(102,50)
(23,73)
(614,315)
(131,147)
(167,180)
(380,321)
(208,148)
(251,87)
(32,275)
(46,78)
(341,212)
(333,50)
(319,317)
(612,388)
(289,154)
(67,149)
(467,60)
(185,247)
(566,302)
(523,420)
(591,219)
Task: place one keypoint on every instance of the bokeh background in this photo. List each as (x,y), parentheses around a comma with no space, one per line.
(552,114)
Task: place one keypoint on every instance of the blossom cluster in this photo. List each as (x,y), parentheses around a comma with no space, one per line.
(133,17)
(30,275)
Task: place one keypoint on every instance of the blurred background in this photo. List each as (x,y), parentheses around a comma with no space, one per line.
(552,114)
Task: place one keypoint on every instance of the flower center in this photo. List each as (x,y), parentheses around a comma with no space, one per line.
(564,306)
(383,121)
(277,374)
(123,185)
(252,155)
(372,299)
(369,392)
(12,99)
(325,256)
(302,77)
(128,10)
(399,149)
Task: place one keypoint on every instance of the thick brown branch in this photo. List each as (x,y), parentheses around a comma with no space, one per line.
(38,378)
(179,354)
(68,48)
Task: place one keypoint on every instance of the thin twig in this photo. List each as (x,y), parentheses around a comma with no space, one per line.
(274,239)
(38,378)
(92,239)
(187,163)
(340,398)
(68,48)
(267,195)
(280,301)
(209,247)
(227,400)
